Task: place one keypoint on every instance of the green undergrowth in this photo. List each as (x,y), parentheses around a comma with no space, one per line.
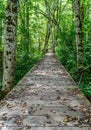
(24,64)
(83,80)
(81,77)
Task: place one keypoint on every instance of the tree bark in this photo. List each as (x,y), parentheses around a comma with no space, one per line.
(24,19)
(27,26)
(48,33)
(49,27)
(1,59)
(78,33)
(1,32)
(56,32)
(10,45)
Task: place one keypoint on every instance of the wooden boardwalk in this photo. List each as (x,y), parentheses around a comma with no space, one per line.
(47,98)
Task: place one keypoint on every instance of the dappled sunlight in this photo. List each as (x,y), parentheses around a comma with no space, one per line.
(2,127)
(46,96)
(49,53)
(42,42)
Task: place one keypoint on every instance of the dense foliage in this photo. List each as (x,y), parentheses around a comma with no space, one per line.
(66,49)
(51,24)
(29,48)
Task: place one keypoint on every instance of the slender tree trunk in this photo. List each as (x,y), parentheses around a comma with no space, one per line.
(0,32)
(10,45)
(1,59)
(49,27)
(54,39)
(87,17)
(39,41)
(56,12)
(48,34)
(27,27)
(22,16)
(78,33)
(22,22)
(24,19)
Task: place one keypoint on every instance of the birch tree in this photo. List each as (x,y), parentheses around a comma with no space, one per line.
(2,7)
(10,45)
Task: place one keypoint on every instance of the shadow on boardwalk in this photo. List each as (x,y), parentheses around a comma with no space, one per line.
(47,98)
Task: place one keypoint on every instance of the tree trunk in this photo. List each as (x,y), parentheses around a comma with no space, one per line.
(10,45)
(0,32)
(49,27)
(39,42)
(56,13)
(78,33)
(1,59)
(48,33)
(24,19)
(54,39)
(27,27)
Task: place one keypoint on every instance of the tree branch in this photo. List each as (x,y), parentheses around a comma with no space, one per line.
(81,71)
(52,19)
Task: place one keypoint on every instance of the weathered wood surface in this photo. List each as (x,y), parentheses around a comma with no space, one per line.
(47,98)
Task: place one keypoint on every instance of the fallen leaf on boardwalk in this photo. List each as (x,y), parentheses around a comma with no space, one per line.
(35,93)
(65,120)
(4,114)
(19,121)
(53,112)
(24,104)
(71,108)
(27,89)
(34,110)
(82,106)
(58,98)
(49,122)
(40,108)
(58,91)
(28,127)
(69,118)
(44,125)
(47,116)
(87,120)
(9,106)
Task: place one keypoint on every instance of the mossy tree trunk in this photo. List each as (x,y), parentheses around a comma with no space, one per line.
(10,37)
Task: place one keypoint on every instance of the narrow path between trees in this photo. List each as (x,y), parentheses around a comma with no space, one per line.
(47,98)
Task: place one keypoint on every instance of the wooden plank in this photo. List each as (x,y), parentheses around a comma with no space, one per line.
(43,128)
(47,98)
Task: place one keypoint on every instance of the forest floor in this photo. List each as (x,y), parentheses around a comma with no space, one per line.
(47,98)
